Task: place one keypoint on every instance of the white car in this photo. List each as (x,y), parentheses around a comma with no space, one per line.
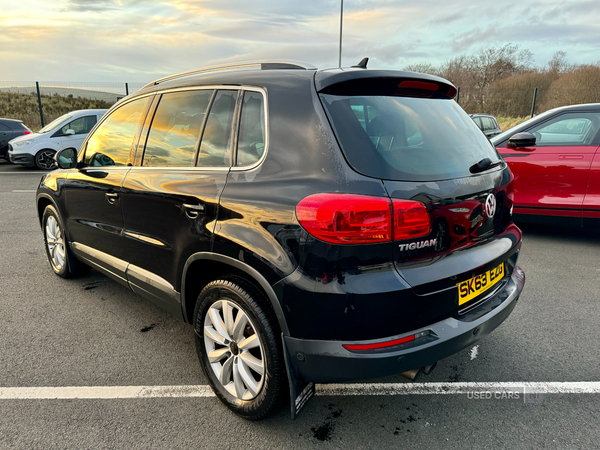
(69,130)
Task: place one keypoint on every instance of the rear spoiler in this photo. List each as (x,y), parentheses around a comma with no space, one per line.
(383,82)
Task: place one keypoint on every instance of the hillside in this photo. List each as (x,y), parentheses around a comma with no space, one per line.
(25,107)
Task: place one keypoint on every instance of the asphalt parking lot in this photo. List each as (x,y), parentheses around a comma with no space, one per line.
(92,332)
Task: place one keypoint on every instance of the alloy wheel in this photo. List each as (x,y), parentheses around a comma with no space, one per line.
(45,160)
(55,243)
(234,350)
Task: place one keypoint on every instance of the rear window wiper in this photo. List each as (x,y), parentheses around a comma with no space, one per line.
(483,165)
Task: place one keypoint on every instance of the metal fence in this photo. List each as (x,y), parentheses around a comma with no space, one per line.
(37,103)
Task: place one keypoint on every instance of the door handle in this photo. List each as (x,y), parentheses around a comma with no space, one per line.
(193,211)
(112,197)
(570,157)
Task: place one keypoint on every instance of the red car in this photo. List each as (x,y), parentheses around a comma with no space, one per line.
(555,160)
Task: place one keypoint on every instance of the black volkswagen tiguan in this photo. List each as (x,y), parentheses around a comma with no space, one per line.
(314,226)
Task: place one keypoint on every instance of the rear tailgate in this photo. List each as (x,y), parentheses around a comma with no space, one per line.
(465,240)
(411,134)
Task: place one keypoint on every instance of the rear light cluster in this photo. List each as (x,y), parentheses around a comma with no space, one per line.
(362,219)
(26,132)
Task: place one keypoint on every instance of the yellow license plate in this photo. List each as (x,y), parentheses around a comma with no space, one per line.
(469,289)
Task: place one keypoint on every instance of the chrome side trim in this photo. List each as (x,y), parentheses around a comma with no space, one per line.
(141,281)
(216,87)
(146,239)
(180,168)
(154,288)
(151,282)
(114,267)
(267,131)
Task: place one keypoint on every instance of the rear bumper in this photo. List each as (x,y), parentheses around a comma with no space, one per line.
(328,361)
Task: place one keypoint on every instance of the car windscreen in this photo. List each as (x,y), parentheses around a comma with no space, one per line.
(407,138)
(55,123)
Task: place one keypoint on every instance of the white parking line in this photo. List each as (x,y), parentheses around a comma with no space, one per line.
(90,392)
(387,389)
(531,387)
(20,191)
(22,173)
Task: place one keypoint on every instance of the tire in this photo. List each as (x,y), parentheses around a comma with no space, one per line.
(44,159)
(61,259)
(242,387)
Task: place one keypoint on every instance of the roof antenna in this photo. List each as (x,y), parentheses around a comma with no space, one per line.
(362,64)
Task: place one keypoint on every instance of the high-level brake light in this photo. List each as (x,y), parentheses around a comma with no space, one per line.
(411,84)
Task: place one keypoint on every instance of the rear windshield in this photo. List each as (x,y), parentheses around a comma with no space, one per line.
(406,138)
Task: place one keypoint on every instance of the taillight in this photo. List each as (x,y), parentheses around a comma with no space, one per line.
(27,132)
(361,219)
(346,218)
(411,220)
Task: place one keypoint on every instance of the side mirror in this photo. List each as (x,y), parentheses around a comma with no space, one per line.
(69,132)
(522,140)
(66,158)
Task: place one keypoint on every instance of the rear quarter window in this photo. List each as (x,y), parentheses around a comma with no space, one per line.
(406,138)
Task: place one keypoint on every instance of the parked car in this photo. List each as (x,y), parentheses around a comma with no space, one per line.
(38,149)
(319,225)
(555,160)
(10,129)
(486,123)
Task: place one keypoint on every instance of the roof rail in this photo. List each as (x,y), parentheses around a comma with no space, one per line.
(268,64)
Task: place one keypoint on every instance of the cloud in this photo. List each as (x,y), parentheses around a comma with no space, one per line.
(139,40)
(90,5)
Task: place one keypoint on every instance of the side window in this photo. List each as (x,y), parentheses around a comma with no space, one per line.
(83,125)
(216,139)
(110,145)
(568,129)
(175,129)
(487,124)
(251,141)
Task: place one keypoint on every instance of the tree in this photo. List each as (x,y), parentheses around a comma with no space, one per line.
(580,85)
(422,67)
(513,96)
(558,64)
(474,74)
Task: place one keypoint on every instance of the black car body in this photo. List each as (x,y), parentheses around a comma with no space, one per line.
(10,129)
(487,123)
(359,263)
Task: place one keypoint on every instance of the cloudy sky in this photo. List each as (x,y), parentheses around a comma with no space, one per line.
(140,40)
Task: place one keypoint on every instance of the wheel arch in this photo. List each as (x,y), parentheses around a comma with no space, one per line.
(203,267)
(44,200)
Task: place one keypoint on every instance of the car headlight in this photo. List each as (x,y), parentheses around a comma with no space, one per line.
(20,143)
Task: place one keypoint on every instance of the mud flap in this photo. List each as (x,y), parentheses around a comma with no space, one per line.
(300,391)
